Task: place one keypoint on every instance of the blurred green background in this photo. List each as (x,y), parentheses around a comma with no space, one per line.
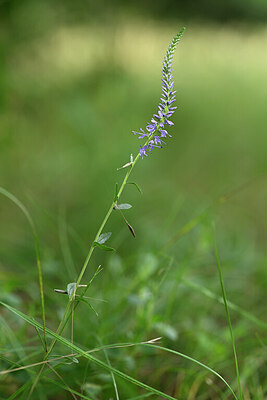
(75,79)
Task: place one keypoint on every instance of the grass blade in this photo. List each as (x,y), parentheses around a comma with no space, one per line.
(207,292)
(111,373)
(64,386)
(112,369)
(21,206)
(177,353)
(227,312)
(88,356)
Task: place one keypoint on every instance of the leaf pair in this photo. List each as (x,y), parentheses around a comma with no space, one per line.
(128,183)
(101,240)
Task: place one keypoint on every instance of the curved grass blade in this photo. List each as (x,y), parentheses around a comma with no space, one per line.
(83,353)
(21,206)
(112,369)
(194,361)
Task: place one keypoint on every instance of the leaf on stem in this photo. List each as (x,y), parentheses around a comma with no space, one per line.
(137,187)
(103,238)
(125,206)
(90,305)
(71,289)
(116,191)
(103,247)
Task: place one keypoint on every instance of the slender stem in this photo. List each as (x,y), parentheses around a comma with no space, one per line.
(227,312)
(106,219)
(91,250)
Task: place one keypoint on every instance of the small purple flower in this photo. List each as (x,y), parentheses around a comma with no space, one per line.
(143,151)
(165,108)
(157,141)
(141,135)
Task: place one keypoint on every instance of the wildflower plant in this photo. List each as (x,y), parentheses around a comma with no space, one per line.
(155,134)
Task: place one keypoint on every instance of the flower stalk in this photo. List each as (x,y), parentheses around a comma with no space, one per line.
(155,131)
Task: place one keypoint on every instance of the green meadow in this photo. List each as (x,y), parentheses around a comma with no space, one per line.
(70,97)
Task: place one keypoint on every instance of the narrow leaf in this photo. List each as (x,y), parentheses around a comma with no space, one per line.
(103,247)
(116,191)
(90,305)
(137,187)
(103,238)
(64,386)
(40,337)
(124,206)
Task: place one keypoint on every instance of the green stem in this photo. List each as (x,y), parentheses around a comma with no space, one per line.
(105,220)
(227,312)
(91,250)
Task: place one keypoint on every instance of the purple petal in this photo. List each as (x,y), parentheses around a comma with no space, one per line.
(170,123)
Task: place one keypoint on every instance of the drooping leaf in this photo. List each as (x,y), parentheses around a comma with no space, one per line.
(90,305)
(137,187)
(71,289)
(103,247)
(125,206)
(131,229)
(103,238)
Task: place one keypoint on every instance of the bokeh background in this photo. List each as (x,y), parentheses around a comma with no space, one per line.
(75,79)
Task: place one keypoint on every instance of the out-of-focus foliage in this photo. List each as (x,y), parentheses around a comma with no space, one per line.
(219,11)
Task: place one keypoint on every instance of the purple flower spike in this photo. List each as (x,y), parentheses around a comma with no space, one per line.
(156,127)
